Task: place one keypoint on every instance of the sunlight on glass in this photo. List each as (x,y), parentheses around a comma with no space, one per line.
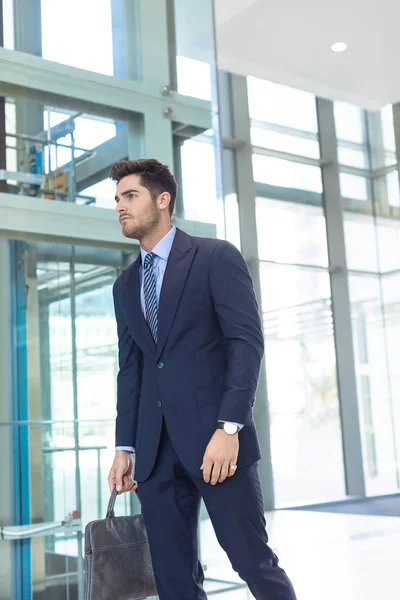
(274,140)
(78,34)
(279,104)
(199,199)
(283,173)
(392,182)
(194,78)
(291,232)
(8,24)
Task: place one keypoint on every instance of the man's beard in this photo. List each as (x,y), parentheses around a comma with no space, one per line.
(138,231)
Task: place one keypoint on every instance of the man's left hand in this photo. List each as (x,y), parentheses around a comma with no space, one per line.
(220,456)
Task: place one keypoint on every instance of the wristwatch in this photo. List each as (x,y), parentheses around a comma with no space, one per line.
(229,428)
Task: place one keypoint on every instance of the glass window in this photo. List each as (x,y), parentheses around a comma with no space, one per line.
(8,24)
(284,173)
(302,391)
(199,185)
(388,136)
(388,237)
(67,37)
(354,187)
(353,157)
(349,122)
(102,193)
(361,244)
(393,191)
(194,35)
(274,103)
(283,142)
(290,232)
(374,392)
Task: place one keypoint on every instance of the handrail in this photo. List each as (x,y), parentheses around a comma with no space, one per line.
(21,532)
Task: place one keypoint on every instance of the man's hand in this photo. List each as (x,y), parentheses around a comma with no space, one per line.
(220,455)
(121,473)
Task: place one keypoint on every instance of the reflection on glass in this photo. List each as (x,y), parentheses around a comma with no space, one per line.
(291,233)
(283,173)
(301,379)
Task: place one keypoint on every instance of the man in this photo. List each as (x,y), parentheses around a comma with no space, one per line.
(190,349)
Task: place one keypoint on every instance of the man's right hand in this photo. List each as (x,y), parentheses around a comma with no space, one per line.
(121,473)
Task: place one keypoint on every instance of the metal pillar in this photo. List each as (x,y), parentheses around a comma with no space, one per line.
(396,123)
(345,363)
(7,471)
(246,191)
(3,165)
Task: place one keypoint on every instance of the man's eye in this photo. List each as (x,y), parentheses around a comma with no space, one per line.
(132,196)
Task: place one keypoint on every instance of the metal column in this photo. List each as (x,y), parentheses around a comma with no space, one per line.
(7,470)
(345,363)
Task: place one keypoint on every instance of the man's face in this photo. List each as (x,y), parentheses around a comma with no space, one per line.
(138,212)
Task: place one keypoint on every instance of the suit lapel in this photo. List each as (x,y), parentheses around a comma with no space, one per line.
(176,273)
(177,270)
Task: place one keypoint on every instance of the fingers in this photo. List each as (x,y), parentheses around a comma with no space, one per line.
(120,476)
(206,467)
(224,472)
(232,469)
(216,473)
(128,484)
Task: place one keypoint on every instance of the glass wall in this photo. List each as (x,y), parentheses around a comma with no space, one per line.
(372,252)
(66,361)
(296,298)
(137,80)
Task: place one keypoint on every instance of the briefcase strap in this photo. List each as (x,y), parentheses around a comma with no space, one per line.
(111,504)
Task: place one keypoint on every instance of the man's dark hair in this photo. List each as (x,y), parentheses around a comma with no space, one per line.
(154,176)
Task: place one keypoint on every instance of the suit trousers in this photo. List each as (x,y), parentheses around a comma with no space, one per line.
(171,500)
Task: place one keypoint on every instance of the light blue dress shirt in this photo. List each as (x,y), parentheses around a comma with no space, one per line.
(162,251)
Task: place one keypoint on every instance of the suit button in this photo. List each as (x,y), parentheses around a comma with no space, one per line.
(158,403)
(160,365)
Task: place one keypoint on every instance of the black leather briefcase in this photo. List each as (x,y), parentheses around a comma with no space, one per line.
(117,555)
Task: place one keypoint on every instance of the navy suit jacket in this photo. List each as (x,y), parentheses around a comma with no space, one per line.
(206,363)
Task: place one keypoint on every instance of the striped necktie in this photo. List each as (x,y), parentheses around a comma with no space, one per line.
(150,296)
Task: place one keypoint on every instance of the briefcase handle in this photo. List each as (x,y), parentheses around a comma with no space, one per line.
(110,508)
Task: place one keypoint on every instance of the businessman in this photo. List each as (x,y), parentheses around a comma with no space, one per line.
(190,348)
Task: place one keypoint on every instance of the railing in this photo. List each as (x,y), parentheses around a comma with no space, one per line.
(22,532)
(99,474)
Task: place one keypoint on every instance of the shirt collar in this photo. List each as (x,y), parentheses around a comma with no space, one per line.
(163,248)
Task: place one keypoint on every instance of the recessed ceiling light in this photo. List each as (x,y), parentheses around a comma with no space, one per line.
(339,47)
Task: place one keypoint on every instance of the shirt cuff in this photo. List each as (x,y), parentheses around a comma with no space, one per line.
(231,422)
(126,448)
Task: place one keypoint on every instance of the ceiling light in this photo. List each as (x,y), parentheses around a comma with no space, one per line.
(339,47)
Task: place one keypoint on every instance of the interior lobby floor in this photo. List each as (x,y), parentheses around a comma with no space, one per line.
(327,556)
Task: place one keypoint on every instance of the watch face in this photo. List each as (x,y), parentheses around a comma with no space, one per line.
(230,428)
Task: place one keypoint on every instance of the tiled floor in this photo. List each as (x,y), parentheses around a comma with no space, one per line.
(327,556)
